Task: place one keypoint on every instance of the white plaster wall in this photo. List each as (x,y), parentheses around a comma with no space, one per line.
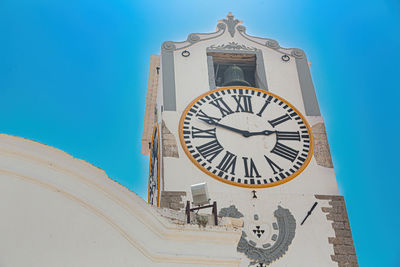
(60,211)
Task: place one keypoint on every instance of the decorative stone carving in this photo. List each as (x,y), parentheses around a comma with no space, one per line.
(168,45)
(298,53)
(193,38)
(231,212)
(231,46)
(267,254)
(241,28)
(322,153)
(231,22)
(272,43)
(169,146)
(221,26)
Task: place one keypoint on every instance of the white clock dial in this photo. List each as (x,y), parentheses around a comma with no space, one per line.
(246,136)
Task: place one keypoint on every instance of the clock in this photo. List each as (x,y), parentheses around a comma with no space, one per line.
(154,168)
(246,136)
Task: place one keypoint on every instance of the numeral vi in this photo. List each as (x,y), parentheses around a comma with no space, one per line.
(250,168)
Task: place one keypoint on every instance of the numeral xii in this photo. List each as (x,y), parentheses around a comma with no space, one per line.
(243,103)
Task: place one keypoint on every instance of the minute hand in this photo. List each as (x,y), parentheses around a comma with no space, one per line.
(244,133)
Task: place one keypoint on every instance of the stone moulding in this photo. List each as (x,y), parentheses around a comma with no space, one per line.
(232,25)
(287,227)
(193,38)
(270,43)
(231,46)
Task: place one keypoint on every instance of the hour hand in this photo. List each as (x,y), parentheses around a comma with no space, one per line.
(266,132)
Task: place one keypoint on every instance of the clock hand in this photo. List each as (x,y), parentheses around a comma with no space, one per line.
(309,212)
(211,122)
(242,132)
(266,132)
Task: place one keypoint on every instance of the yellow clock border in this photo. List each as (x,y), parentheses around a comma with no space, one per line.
(158,167)
(289,178)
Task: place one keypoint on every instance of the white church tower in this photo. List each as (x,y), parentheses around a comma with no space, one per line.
(240,113)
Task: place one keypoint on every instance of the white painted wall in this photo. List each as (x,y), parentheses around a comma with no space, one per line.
(60,211)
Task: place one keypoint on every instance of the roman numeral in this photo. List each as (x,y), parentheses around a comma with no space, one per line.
(288,135)
(199,133)
(285,151)
(279,120)
(263,108)
(250,169)
(245,105)
(228,162)
(208,119)
(222,106)
(273,165)
(210,150)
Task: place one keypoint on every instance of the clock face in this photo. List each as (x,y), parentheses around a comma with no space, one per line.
(246,137)
(154,169)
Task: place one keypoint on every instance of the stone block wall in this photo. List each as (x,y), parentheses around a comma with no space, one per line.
(169,146)
(322,153)
(172,200)
(343,246)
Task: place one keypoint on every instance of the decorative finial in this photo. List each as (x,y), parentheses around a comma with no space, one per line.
(231,22)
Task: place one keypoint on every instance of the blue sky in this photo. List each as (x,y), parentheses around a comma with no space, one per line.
(73,75)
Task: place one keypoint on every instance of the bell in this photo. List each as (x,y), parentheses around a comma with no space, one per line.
(234,75)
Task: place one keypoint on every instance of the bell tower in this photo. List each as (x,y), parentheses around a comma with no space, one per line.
(240,113)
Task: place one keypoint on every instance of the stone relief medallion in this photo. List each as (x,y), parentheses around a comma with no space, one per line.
(261,233)
(266,241)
